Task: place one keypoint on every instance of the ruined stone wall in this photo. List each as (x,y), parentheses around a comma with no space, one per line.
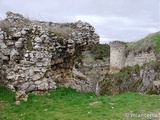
(146,79)
(35,55)
(141,58)
(119,58)
(88,71)
(117,55)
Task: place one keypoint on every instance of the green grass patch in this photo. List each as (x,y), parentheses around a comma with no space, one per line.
(68,104)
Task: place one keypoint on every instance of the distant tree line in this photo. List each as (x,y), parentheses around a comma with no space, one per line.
(100,51)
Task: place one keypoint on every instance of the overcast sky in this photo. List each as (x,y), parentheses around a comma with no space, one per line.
(125,20)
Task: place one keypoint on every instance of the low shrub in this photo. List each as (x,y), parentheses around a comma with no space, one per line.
(100,51)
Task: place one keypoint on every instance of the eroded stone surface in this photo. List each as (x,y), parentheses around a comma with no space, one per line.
(34,55)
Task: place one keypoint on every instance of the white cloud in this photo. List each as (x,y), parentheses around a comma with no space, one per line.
(152,30)
(104,40)
(91,19)
(103,19)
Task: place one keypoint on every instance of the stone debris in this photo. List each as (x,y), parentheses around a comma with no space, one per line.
(95,103)
(21,96)
(17,102)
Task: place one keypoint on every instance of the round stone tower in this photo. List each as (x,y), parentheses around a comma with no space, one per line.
(117,56)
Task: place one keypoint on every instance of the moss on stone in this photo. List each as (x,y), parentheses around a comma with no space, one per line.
(137,68)
(154,65)
(29,45)
(122,81)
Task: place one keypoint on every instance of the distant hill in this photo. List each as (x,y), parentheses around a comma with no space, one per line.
(151,42)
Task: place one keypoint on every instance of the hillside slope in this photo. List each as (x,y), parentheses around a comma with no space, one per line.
(152,41)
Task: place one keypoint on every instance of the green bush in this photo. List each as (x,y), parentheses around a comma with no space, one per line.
(100,51)
(137,68)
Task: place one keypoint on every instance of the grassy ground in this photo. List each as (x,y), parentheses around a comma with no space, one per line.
(67,104)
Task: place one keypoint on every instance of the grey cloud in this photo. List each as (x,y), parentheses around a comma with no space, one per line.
(126,20)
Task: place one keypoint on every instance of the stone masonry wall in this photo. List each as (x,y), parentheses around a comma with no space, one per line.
(117,55)
(118,58)
(35,55)
(140,59)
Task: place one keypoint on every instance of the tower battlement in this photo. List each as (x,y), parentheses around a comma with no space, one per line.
(117,44)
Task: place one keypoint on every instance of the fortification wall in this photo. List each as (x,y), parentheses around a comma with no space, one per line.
(119,59)
(34,57)
(140,59)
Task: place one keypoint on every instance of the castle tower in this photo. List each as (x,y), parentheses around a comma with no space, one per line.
(117,56)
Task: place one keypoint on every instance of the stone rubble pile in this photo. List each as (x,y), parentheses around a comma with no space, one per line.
(35,55)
